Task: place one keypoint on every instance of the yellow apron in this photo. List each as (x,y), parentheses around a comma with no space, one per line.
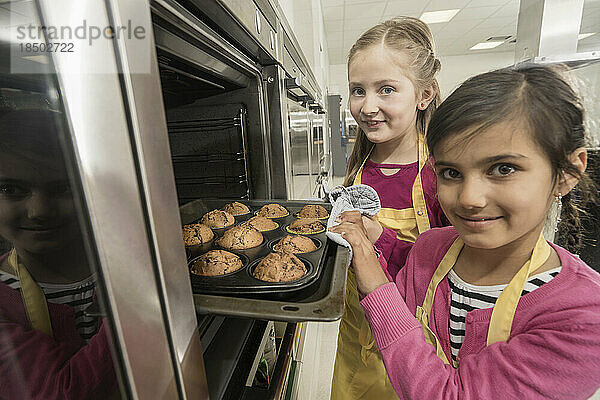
(505,307)
(33,297)
(359,372)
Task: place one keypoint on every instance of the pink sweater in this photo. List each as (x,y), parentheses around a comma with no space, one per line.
(35,366)
(553,351)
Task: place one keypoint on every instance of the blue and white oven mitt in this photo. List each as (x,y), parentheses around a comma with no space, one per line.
(359,197)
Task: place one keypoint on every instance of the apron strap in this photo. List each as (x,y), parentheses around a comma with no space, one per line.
(440,273)
(358,177)
(34,300)
(504,310)
(418,197)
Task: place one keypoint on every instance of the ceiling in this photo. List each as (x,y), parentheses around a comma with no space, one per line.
(476,21)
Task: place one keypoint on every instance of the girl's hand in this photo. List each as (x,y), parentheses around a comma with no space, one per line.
(371,226)
(369,274)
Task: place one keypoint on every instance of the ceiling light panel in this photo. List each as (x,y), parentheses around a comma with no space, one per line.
(585,35)
(435,17)
(434,5)
(486,45)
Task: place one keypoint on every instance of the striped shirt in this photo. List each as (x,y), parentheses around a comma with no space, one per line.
(78,295)
(467,297)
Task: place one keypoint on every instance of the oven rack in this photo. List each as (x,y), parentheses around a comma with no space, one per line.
(209,157)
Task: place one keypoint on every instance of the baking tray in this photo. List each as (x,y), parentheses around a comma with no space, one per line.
(242,282)
(318,296)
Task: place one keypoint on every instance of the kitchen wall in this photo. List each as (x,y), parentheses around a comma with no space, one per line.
(306,20)
(455,69)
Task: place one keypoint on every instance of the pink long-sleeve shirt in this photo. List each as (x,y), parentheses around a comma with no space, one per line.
(35,366)
(553,350)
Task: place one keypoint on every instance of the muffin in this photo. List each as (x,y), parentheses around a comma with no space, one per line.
(236,208)
(218,219)
(240,237)
(295,244)
(306,226)
(195,234)
(279,267)
(216,262)
(263,224)
(273,210)
(313,211)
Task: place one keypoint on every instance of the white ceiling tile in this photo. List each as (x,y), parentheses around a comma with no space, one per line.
(461,27)
(591,20)
(451,33)
(486,3)
(356,24)
(447,36)
(591,4)
(360,25)
(333,13)
(5,17)
(403,7)
(356,11)
(475,13)
(332,3)
(589,27)
(505,47)
(589,13)
(510,28)
(476,36)
(26,8)
(442,42)
(508,10)
(582,48)
(349,2)
(443,53)
(457,48)
(389,15)
(437,5)
(436,28)
(498,22)
(18,17)
(334,26)
(480,33)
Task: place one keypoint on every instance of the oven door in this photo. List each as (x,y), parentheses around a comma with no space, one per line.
(105,93)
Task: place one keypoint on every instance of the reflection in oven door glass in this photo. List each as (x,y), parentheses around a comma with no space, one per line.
(54,349)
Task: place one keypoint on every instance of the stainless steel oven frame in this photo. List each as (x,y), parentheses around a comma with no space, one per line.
(118,131)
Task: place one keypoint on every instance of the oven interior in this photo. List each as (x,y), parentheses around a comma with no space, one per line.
(214,119)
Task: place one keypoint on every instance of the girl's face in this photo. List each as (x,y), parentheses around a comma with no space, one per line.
(496,187)
(383,99)
(36,206)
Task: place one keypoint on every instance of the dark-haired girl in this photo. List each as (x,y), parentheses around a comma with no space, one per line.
(488,308)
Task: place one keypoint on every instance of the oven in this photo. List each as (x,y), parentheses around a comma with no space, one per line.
(156,132)
(248,128)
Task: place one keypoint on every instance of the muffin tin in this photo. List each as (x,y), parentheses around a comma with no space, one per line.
(242,283)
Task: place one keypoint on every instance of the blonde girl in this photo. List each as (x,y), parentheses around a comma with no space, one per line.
(393,93)
(487,308)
